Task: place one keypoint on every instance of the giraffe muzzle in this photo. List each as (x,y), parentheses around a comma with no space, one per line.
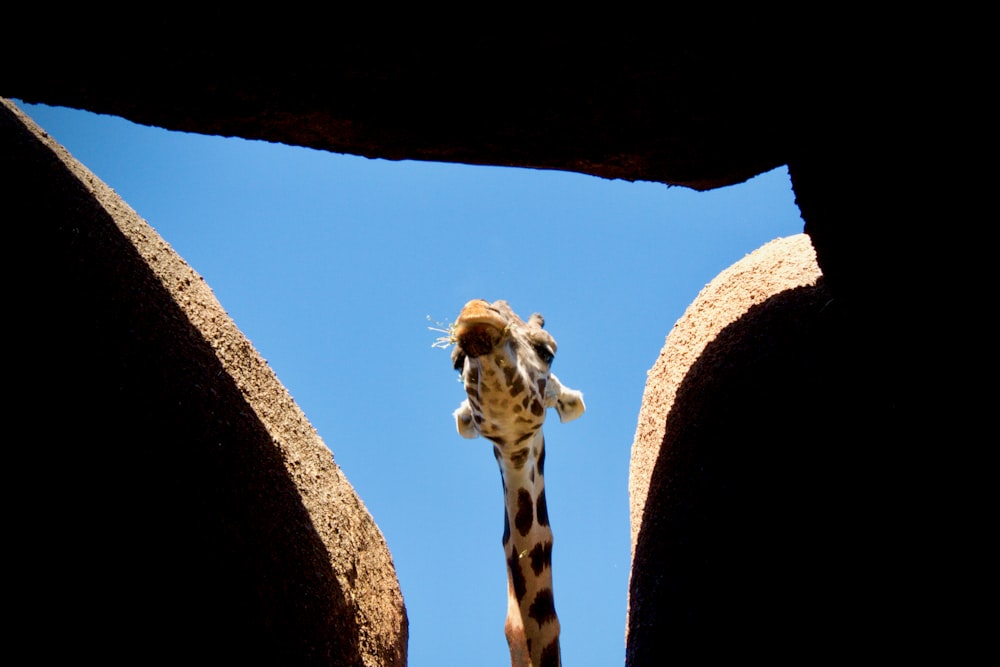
(479,328)
(477,339)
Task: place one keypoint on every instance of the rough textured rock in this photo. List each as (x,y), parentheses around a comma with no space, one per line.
(776,500)
(858,424)
(613,106)
(175,503)
(779,266)
(722,462)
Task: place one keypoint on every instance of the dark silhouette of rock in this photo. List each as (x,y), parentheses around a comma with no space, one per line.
(818,488)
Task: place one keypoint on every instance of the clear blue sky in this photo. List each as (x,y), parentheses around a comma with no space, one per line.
(331,265)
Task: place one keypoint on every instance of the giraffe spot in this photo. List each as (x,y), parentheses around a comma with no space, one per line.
(525,512)
(540,457)
(519,457)
(543,608)
(536,408)
(508,374)
(541,557)
(550,654)
(517,408)
(543,510)
(517,387)
(541,386)
(506,527)
(516,576)
(522,438)
(524,402)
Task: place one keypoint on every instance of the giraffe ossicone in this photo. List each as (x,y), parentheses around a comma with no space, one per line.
(505,363)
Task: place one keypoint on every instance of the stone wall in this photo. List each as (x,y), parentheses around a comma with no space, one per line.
(172,501)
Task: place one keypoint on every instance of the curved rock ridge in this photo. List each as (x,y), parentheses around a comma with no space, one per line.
(722,464)
(191,507)
(782,264)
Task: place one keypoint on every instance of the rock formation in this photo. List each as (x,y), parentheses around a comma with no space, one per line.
(173,504)
(804,482)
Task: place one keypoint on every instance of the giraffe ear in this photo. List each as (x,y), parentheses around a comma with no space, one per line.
(567,402)
(464,422)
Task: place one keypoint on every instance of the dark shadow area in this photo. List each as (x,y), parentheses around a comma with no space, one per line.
(780,521)
(696,113)
(151,516)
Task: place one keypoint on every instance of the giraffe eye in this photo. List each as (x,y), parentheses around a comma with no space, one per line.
(544,352)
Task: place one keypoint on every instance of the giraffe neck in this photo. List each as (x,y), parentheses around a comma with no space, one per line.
(532,627)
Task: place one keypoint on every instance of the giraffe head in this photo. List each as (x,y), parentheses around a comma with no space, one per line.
(505,364)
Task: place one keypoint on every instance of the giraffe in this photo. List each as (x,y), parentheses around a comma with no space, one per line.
(504,363)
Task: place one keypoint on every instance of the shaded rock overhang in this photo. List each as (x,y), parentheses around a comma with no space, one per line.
(701,116)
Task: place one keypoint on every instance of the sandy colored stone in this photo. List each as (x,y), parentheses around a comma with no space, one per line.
(735,501)
(779,265)
(203,514)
